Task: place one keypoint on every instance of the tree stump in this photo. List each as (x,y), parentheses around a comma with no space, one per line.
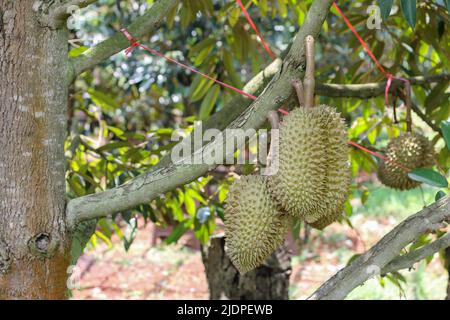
(267,282)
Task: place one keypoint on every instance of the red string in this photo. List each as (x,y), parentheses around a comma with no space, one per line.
(369,52)
(367,150)
(135,44)
(363,43)
(252,24)
(282,111)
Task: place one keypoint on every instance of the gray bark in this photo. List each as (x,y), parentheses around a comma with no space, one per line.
(33,103)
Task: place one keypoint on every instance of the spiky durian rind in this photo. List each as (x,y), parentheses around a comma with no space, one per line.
(324,222)
(253,226)
(404,153)
(313,180)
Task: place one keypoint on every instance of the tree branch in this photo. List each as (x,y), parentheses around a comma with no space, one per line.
(370,90)
(58,13)
(377,259)
(141,27)
(159,180)
(406,261)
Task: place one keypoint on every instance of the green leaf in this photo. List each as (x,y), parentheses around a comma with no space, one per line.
(409,11)
(115,145)
(445,127)
(353,258)
(220,213)
(105,238)
(178,231)
(209,102)
(200,87)
(104,101)
(385,6)
(429,176)
(189,203)
(439,195)
(364,196)
(130,233)
(447,4)
(75,52)
(195,195)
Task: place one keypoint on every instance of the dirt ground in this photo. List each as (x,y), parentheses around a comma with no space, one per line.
(158,271)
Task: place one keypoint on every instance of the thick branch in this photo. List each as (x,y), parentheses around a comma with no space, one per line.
(406,261)
(155,182)
(141,27)
(370,90)
(377,259)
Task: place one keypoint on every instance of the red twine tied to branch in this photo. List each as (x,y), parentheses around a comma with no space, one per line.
(389,76)
(252,24)
(135,44)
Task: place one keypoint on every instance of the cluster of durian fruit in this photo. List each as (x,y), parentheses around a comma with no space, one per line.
(312,182)
(313,179)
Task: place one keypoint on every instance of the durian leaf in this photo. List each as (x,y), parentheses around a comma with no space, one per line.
(209,102)
(429,176)
(439,195)
(103,100)
(409,11)
(385,6)
(445,127)
(178,231)
(220,213)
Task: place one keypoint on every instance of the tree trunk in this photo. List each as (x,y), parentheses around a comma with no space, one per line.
(34,241)
(267,282)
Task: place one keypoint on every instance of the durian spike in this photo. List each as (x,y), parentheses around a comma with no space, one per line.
(309,82)
(298,86)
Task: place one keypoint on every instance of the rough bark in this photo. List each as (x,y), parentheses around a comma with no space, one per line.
(268,282)
(33,102)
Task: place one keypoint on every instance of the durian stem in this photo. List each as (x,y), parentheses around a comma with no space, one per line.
(274,121)
(309,82)
(408,107)
(298,86)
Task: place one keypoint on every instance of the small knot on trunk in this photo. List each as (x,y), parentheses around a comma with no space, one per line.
(43,245)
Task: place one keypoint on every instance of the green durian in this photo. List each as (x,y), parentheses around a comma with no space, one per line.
(404,153)
(313,180)
(253,226)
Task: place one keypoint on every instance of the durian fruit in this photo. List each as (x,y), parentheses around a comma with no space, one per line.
(324,222)
(253,226)
(404,153)
(313,180)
